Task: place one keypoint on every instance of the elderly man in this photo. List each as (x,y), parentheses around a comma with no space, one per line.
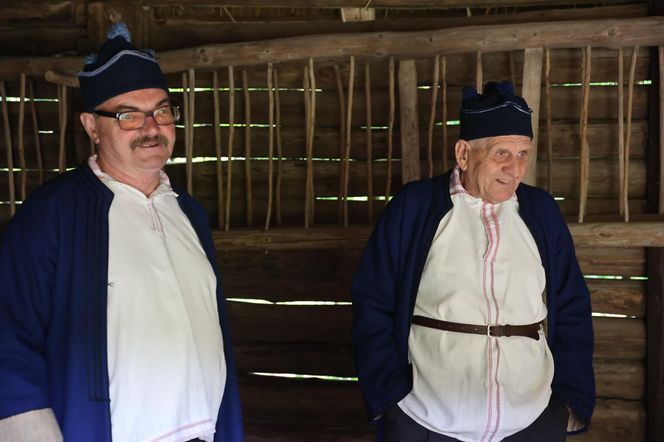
(112,319)
(472,320)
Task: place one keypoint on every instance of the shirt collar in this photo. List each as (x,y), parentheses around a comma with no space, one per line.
(164,183)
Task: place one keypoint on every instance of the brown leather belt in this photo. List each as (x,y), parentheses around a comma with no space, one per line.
(529,330)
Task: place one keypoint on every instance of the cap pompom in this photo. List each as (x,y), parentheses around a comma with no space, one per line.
(469,92)
(91,59)
(119,30)
(505,89)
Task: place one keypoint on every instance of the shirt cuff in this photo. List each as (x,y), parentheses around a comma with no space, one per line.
(31,426)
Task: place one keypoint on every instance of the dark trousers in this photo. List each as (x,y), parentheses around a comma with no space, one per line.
(550,426)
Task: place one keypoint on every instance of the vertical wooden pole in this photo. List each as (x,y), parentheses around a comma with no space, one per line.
(531,92)
(583,123)
(249,210)
(660,52)
(479,81)
(277,114)
(549,126)
(432,113)
(367,93)
(410,135)
(342,142)
(307,130)
(231,134)
(655,343)
(310,115)
(187,126)
(62,106)
(349,119)
(621,131)
(21,145)
(270,144)
(217,149)
(512,69)
(35,132)
(628,129)
(191,119)
(390,130)
(443,91)
(8,146)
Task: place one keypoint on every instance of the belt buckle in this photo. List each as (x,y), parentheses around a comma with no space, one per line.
(488,331)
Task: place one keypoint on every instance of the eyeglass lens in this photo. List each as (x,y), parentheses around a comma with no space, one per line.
(136,119)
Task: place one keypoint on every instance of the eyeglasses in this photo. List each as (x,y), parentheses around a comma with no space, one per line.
(132,120)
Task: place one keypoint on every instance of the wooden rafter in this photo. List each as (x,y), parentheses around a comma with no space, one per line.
(611,33)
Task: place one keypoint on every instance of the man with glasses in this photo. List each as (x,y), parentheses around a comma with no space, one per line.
(112,322)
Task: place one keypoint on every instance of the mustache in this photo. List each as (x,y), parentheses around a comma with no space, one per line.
(160,139)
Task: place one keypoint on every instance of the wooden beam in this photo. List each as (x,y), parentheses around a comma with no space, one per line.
(565,34)
(613,234)
(374,3)
(531,90)
(655,343)
(410,132)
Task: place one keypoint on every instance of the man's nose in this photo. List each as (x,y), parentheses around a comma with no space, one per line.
(150,125)
(511,166)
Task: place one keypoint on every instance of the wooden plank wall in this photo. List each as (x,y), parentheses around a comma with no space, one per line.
(282,336)
(565,105)
(299,320)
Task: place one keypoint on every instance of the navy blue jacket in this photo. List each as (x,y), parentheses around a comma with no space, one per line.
(386,284)
(53,301)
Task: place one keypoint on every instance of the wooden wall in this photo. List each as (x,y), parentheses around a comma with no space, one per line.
(289,305)
(314,339)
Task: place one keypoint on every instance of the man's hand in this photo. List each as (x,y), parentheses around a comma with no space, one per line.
(573,422)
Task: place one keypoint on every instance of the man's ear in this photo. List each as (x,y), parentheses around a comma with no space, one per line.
(89,123)
(462,152)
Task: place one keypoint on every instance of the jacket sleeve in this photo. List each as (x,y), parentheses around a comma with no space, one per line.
(382,375)
(27,265)
(572,339)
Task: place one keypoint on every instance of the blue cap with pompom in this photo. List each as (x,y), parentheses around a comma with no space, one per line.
(496,111)
(118,68)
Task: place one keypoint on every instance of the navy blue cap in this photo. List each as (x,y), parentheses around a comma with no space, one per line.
(118,68)
(496,111)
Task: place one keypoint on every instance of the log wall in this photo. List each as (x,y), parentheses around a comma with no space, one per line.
(289,304)
(300,297)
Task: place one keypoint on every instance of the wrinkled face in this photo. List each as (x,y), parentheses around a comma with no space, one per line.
(492,168)
(133,152)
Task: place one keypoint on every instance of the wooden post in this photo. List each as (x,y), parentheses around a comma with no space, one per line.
(349,120)
(655,343)
(277,116)
(249,210)
(367,93)
(8,146)
(621,131)
(531,89)
(443,92)
(390,130)
(231,133)
(478,72)
(62,114)
(660,52)
(432,113)
(628,129)
(549,128)
(270,144)
(190,121)
(35,132)
(342,141)
(583,134)
(410,135)
(217,149)
(21,145)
